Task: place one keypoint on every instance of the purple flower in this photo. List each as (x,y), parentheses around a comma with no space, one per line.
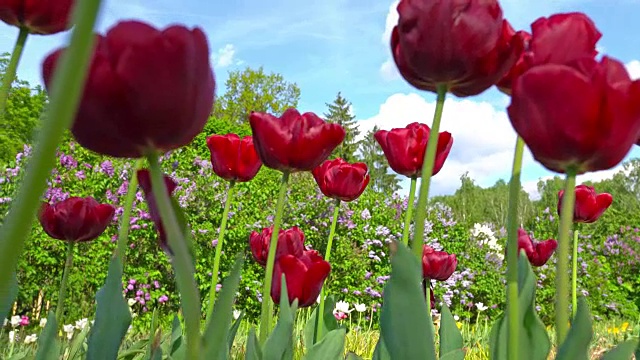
(163,299)
(107,167)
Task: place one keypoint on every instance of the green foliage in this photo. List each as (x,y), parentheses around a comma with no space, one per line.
(340,113)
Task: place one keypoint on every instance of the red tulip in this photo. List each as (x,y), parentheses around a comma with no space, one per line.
(437,265)
(404,148)
(144,178)
(75,219)
(146,90)
(290,242)
(232,158)
(589,205)
(465,45)
(341,180)
(584,116)
(42,17)
(558,39)
(294,142)
(538,253)
(304,276)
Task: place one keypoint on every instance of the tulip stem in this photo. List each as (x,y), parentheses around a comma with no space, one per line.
(320,313)
(63,283)
(216,260)
(181,261)
(123,233)
(562,265)
(513,311)
(10,71)
(574,274)
(68,83)
(427,171)
(267,307)
(409,213)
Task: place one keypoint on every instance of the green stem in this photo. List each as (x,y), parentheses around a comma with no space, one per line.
(181,261)
(123,232)
(68,83)
(409,213)
(216,260)
(10,71)
(427,171)
(63,284)
(574,275)
(513,311)
(327,256)
(562,262)
(267,312)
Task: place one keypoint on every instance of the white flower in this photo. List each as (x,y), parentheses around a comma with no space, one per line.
(82,323)
(236,314)
(360,307)
(456,317)
(481,306)
(15,320)
(12,336)
(29,339)
(5,322)
(43,322)
(318,299)
(69,330)
(131,301)
(342,306)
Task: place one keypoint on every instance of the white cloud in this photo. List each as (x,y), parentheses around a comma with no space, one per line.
(392,20)
(633,67)
(225,56)
(389,71)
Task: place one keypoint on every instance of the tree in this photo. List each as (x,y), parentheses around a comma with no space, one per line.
(254,90)
(381,179)
(340,113)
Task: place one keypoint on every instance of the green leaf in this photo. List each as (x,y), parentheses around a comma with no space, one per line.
(77,344)
(112,316)
(183,224)
(329,324)
(380,352)
(534,342)
(234,330)
(217,332)
(177,350)
(453,355)
(404,319)
(48,344)
(279,345)
(450,337)
(152,333)
(154,346)
(253,351)
(7,298)
(576,345)
(622,351)
(331,347)
(352,356)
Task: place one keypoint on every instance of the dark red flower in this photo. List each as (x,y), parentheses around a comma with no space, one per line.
(465,45)
(587,120)
(341,180)
(38,16)
(75,219)
(290,242)
(437,265)
(294,142)
(538,253)
(144,178)
(232,158)
(146,90)
(404,148)
(304,275)
(589,205)
(558,39)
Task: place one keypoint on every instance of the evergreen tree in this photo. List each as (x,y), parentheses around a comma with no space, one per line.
(340,113)
(382,180)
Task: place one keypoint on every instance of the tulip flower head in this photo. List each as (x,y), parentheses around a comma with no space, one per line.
(290,242)
(538,253)
(144,178)
(589,205)
(341,180)
(232,158)
(294,142)
(404,148)
(437,265)
(304,277)
(75,219)
(146,90)
(37,16)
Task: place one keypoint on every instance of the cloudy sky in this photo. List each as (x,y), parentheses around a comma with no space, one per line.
(343,45)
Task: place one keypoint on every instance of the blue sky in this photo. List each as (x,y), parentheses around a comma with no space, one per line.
(342,45)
